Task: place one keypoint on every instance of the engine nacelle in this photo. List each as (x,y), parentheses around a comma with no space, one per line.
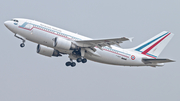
(47,51)
(61,43)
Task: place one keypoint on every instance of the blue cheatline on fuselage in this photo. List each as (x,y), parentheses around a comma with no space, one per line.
(74,38)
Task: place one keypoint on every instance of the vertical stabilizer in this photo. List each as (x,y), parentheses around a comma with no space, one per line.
(154,46)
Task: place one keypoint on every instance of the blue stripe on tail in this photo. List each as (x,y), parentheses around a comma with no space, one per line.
(138,49)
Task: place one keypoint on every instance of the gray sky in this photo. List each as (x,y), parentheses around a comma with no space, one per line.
(28,76)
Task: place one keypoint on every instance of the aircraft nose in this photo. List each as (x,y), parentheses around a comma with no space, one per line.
(6,23)
(10,25)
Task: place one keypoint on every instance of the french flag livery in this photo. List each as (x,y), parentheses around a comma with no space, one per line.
(154,46)
(56,42)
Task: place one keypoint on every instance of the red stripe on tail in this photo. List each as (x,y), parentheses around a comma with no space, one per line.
(147,50)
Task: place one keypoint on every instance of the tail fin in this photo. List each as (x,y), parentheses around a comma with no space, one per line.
(154,46)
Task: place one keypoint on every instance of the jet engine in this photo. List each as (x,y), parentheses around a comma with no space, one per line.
(47,51)
(61,43)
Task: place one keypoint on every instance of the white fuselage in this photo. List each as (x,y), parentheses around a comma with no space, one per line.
(44,34)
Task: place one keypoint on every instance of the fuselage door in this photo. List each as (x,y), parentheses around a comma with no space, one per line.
(29,26)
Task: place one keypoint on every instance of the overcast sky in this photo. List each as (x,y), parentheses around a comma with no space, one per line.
(28,76)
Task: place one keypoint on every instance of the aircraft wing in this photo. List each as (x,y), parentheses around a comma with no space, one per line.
(102,42)
(157,60)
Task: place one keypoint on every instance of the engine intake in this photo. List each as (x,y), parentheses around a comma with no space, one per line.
(61,43)
(47,51)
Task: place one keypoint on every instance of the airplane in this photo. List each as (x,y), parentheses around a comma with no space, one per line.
(53,41)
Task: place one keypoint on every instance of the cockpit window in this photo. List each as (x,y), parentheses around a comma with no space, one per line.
(14,20)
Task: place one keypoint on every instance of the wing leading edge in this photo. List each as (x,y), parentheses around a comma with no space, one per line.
(102,42)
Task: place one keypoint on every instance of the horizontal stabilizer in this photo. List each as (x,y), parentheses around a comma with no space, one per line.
(146,61)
